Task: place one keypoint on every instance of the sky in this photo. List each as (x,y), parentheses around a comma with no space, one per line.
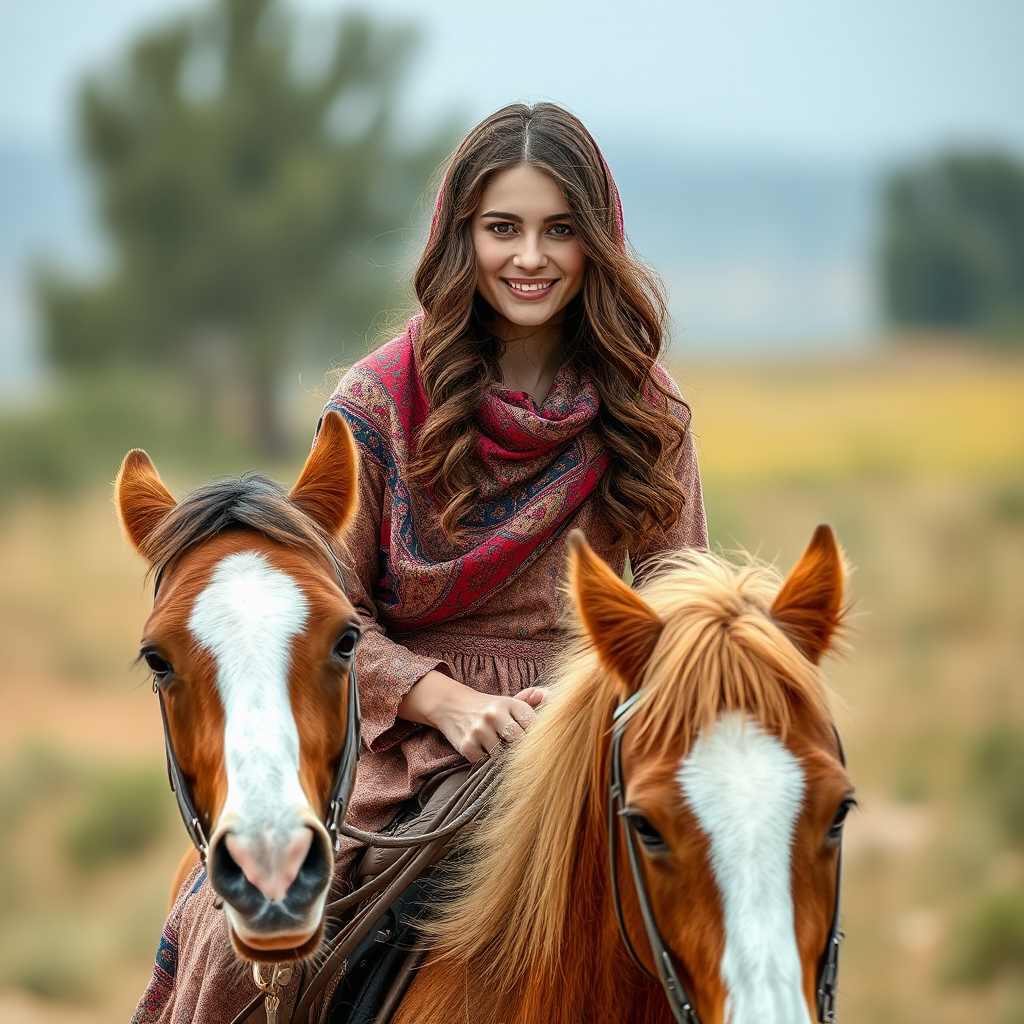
(694,103)
(866,82)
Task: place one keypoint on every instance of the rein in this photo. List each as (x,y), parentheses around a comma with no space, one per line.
(678,1000)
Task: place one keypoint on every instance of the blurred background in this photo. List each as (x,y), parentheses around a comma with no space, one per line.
(206,207)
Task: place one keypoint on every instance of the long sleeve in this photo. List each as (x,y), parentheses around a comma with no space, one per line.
(691,529)
(386,669)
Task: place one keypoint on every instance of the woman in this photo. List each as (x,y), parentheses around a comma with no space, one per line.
(523,401)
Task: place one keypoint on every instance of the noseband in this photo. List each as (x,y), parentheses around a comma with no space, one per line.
(678,1000)
(343,778)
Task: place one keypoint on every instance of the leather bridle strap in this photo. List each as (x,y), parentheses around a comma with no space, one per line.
(341,791)
(827,983)
(343,779)
(187,809)
(682,1009)
(678,1001)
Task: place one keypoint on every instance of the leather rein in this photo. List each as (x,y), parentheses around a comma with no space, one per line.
(344,776)
(679,1002)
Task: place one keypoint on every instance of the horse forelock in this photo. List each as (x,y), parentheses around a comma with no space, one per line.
(251,502)
(719,651)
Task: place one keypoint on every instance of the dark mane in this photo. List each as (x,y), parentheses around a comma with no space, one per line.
(250,502)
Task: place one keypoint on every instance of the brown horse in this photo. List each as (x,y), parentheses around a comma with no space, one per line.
(251,642)
(728,779)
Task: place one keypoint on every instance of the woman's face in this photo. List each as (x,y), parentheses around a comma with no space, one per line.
(528,258)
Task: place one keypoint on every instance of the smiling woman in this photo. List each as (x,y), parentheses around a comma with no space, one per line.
(524,400)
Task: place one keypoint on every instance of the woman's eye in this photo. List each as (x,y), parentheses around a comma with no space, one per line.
(502,229)
(561,230)
(159,666)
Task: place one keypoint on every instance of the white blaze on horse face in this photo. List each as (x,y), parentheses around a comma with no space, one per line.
(246,618)
(746,789)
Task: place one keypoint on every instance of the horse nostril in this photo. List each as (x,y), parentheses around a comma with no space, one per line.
(229,881)
(269,867)
(223,865)
(316,869)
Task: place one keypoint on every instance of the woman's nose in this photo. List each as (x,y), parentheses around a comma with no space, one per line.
(531,255)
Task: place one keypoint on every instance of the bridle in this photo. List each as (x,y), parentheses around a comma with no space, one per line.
(343,778)
(678,1000)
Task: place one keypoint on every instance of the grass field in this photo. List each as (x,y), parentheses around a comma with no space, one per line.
(916,457)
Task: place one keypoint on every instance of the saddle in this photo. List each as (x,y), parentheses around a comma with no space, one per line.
(385,962)
(370,963)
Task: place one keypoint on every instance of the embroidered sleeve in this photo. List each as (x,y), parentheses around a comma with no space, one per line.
(387,670)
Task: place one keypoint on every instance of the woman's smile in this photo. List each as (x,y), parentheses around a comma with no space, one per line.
(530,291)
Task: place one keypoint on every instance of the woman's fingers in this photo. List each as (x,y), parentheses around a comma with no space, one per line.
(521,712)
(534,695)
(502,720)
(491,723)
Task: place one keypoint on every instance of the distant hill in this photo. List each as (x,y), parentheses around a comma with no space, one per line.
(756,254)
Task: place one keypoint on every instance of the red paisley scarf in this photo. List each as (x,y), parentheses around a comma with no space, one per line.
(538,465)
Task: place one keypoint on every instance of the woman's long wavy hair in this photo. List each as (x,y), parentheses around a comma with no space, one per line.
(614,328)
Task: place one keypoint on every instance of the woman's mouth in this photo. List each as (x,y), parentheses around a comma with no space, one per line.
(529,290)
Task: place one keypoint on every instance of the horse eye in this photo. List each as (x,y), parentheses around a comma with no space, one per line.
(159,666)
(346,645)
(651,838)
(835,831)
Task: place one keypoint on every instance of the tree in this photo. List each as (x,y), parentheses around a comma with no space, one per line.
(953,252)
(240,192)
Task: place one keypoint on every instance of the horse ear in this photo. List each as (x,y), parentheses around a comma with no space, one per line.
(327,489)
(142,500)
(622,627)
(809,607)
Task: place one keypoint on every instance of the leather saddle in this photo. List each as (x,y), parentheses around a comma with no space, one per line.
(379,970)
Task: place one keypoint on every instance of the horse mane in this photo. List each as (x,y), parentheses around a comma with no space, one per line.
(252,502)
(509,908)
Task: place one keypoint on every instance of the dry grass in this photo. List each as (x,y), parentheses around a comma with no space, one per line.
(916,458)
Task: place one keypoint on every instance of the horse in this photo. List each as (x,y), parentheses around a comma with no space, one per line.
(665,842)
(251,643)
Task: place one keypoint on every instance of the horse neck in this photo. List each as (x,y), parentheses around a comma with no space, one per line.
(593,980)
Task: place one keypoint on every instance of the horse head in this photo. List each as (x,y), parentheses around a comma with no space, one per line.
(732,788)
(665,842)
(251,643)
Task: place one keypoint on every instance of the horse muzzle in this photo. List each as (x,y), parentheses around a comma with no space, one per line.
(274,892)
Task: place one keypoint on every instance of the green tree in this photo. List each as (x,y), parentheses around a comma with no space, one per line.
(953,250)
(240,190)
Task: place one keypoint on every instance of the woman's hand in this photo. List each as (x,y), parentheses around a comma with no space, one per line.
(534,695)
(473,723)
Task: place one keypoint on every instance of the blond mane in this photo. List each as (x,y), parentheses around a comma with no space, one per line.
(719,650)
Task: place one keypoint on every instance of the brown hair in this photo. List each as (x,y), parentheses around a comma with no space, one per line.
(613,329)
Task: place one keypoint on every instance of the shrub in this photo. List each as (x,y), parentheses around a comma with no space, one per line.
(993,940)
(123,815)
(999,775)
